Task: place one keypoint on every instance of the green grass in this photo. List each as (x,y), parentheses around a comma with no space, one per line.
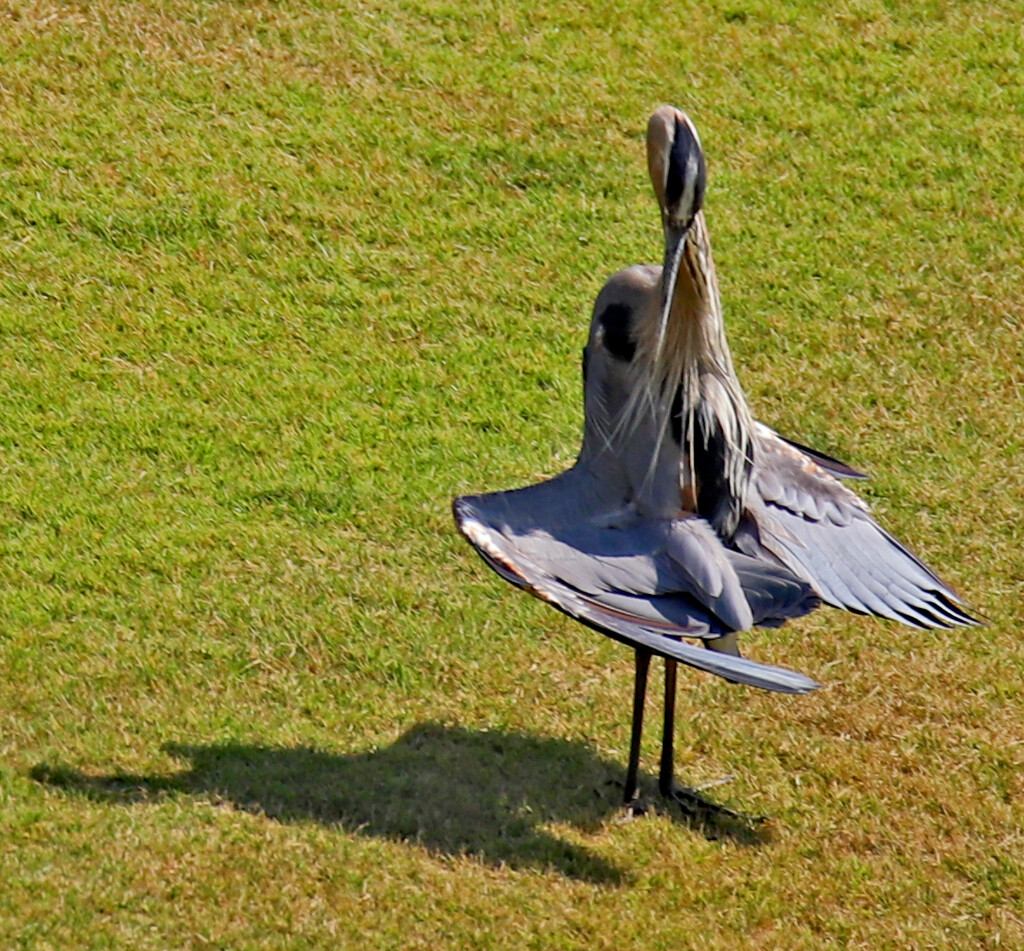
(277,280)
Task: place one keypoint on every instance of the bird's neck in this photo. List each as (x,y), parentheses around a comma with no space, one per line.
(712,418)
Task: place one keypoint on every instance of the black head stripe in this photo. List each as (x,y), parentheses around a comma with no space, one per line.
(685,165)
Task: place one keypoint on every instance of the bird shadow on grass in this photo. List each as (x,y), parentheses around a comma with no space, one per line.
(488,794)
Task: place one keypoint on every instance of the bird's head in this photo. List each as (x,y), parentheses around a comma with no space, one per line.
(676,164)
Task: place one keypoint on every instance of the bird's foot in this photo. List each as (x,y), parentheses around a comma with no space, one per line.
(702,810)
(636,807)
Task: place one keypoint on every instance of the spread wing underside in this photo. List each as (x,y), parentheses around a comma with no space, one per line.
(648,585)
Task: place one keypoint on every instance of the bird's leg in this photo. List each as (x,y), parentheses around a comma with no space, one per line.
(689,800)
(643,664)
(666,782)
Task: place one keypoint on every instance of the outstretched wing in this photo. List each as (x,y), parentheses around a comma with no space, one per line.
(647,584)
(815,526)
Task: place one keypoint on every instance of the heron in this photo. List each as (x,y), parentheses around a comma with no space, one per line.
(684,518)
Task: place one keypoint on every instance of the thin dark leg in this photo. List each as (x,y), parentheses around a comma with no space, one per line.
(666,780)
(689,800)
(643,664)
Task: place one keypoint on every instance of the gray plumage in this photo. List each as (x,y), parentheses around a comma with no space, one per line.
(684,517)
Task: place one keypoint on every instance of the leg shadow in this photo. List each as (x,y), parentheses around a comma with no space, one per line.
(455,791)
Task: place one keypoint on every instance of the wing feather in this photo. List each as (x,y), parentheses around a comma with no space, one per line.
(581,572)
(825,534)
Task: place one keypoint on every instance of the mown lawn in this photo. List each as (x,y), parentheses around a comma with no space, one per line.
(277,280)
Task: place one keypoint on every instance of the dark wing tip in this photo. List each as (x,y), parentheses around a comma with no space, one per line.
(829,463)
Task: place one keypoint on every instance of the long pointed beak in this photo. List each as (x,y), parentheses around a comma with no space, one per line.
(675,241)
